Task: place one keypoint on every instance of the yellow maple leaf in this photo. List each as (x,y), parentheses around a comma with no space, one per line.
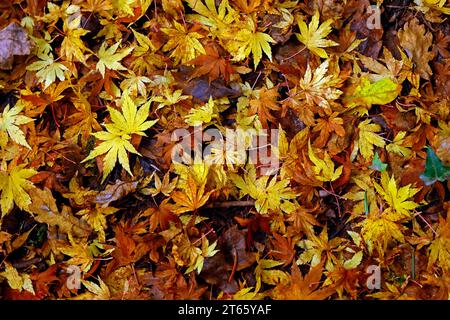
(14,186)
(397,198)
(165,186)
(219,20)
(324,169)
(72,45)
(316,88)
(315,246)
(116,140)
(109,58)
(183,43)
(123,7)
(146,59)
(313,35)
(440,246)
(269,195)
(97,292)
(10,120)
(80,253)
(17,281)
(367,138)
(96,218)
(397,145)
(47,69)
(249,40)
(196,117)
(380,230)
(264,273)
(187,253)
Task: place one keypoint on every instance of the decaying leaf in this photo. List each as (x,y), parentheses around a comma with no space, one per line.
(14,41)
(417,42)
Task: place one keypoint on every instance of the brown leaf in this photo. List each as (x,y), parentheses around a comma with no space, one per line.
(44,206)
(416,41)
(114,192)
(13,41)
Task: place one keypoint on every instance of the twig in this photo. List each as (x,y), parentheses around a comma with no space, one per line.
(290,57)
(228,204)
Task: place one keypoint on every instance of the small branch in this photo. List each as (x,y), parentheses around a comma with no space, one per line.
(228,204)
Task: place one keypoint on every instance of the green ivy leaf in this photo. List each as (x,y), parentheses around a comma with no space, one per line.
(434,169)
(377,164)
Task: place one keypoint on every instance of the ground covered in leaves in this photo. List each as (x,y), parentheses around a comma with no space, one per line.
(93,205)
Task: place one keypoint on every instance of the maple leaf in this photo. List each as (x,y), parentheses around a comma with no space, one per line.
(269,195)
(17,281)
(123,6)
(109,58)
(316,88)
(83,120)
(204,114)
(162,215)
(248,294)
(265,273)
(283,249)
(72,45)
(440,246)
(302,220)
(262,102)
(47,69)
(313,35)
(315,246)
(344,278)
(380,230)
(326,127)
(397,198)
(118,135)
(96,218)
(367,138)
(146,59)
(248,40)
(10,120)
(80,253)
(100,6)
(303,288)
(165,187)
(135,84)
(392,69)
(212,64)
(397,145)
(187,253)
(192,198)
(184,43)
(96,291)
(208,251)
(14,185)
(324,169)
(218,19)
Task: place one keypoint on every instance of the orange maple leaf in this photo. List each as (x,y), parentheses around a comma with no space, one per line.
(212,64)
(303,288)
(192,198)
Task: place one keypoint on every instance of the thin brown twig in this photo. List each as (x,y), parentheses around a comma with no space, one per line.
(228,204)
